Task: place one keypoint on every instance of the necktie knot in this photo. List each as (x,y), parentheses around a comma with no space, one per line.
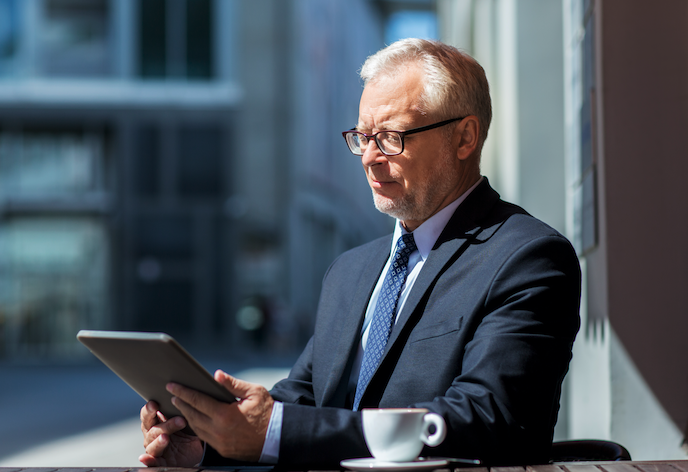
(406,245)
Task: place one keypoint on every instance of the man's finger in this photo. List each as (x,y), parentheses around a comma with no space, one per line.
(168,427)
(236,387)
(157,447)
(192,414)
(197,420)
(193,399)
(149,415)
(150,461)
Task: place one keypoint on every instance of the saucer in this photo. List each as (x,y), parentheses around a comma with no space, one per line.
(370,463)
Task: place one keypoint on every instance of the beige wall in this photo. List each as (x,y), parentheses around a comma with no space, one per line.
(643,162)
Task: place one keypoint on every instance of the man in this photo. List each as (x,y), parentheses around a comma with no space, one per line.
(481,331)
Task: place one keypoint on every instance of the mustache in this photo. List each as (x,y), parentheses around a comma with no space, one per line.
(383,177)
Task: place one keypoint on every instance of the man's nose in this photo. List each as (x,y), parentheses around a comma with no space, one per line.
(372,155)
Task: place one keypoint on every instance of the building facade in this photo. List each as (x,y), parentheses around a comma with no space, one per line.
(177,165)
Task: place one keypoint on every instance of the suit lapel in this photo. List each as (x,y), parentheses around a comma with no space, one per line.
(353,322)
(462,228)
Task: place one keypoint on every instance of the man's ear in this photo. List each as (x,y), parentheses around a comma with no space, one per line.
(467,133)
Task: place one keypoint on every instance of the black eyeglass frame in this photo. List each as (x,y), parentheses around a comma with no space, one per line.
(402,135)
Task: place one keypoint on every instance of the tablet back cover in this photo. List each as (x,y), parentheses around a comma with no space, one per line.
(147,362)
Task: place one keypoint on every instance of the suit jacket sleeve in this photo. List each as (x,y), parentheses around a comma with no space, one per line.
(503,405)
(298,387)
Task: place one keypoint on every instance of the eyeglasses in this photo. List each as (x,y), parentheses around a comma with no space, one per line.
(389,142)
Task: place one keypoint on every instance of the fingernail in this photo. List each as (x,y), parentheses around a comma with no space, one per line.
(179,422)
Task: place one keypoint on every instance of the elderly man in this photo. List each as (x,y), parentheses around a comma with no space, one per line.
(478,328)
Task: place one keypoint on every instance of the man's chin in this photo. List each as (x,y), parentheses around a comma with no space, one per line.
(390,207)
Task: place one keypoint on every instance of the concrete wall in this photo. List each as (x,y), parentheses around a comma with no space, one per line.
(519,43)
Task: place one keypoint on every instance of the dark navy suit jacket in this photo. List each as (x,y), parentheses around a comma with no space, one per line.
(484,340)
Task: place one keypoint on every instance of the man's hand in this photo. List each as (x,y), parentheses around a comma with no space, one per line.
(166,445)
(236,430)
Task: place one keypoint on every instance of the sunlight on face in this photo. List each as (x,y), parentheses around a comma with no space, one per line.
(418,204)
(415,184)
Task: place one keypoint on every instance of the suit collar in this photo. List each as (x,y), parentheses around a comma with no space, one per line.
(467,218)
(426,234)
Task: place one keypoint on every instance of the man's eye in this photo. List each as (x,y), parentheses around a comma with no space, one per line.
(392,138)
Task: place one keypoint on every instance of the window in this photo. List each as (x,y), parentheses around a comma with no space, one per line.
(147,161)
(53,281)
(41,163)
(74,39)
(54,248)
(175,39)
(200,151)
(9,36)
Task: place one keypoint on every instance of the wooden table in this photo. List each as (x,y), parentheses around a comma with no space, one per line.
(632,466)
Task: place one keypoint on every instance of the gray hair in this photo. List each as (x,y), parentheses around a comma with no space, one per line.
(454,83)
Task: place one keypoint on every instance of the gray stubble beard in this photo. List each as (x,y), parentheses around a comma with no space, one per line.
(416,206)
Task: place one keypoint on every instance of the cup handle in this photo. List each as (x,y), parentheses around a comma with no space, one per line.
(440,433)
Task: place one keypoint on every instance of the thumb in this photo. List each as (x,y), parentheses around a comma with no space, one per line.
(236,387)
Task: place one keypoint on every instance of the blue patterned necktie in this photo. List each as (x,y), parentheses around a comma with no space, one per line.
(383,316)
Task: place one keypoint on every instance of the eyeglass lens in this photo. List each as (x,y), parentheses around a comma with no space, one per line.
(389,142)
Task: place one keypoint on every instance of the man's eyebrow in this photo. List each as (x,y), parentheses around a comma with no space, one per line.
(385,125)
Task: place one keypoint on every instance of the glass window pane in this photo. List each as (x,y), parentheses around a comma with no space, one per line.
(147,161)
(165,306)
(40,163)
(75,38)
(9,36)
(53,282)
(199,34)
(164,237)
(200,170)
(152,38)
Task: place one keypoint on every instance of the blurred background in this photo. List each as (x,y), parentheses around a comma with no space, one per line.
(177,166)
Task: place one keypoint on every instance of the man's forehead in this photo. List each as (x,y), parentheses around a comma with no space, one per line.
(399,116)
(393,122)
(391,101)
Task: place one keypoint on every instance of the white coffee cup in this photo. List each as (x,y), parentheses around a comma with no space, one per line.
(398,434)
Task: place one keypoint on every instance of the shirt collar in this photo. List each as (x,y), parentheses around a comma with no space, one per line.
(427,233)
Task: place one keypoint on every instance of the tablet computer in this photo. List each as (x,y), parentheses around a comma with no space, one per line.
(147,362)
